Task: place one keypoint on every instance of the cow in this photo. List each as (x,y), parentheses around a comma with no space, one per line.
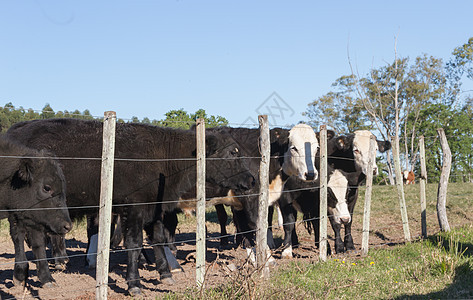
(154,166)
(408,177)
(350,153)
(293,153)
(32,189)
(305,198)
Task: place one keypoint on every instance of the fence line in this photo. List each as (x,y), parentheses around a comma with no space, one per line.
(176,201)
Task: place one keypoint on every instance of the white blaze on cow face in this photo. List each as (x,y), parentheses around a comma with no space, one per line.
(361,149)
(300,157)
(338,183)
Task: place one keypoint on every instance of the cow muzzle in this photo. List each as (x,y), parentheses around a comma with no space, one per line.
(311,176)
(248,183)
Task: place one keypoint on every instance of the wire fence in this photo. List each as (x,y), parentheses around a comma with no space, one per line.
(149,246)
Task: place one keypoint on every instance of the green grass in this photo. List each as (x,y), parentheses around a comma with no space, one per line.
(438,267)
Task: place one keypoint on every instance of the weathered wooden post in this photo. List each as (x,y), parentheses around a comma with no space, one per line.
(400,188)
(443,184)
(262,222)
(369,188)
(423,182)
(323,194)
(200,208)
(105,210)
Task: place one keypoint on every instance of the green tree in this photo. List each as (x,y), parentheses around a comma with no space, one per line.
(458,128)
(387,100)
(181,119)
(47,112)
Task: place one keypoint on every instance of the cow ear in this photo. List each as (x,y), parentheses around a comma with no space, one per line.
(23,175)
(383,146)
(342,143)
(330,134)
(279,135)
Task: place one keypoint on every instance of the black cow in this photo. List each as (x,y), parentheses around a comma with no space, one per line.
(32,189)
(137,178)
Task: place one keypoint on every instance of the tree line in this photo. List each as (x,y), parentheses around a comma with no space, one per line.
(406,99)
(10,115)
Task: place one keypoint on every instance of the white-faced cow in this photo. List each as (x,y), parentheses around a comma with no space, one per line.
(408,177)
(305,198)
(348,162)
(350,154)
(153,165)
(32,189)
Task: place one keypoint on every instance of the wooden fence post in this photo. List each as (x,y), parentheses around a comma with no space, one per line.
(105,210)
(200,207)
(400,188)
(423,182)
(262,222)
(369,188)
(323,194)
(443,184)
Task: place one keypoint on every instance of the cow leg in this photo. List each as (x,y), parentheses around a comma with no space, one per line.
(58,248)
(349,245)
(133,234)
(339,246)
(289,229)
(92,241)
(18,235)
(170,225)
(162,266)
(270,239)
(222,220)
(348,240)
(37,239)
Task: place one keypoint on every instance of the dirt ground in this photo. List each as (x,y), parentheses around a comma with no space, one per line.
(78,282)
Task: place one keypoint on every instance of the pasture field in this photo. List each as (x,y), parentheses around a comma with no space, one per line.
(439,267)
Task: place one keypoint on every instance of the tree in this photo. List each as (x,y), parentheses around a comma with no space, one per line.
(383,100)
(47,112)
(461,63)
(340,109)
(458,128)
(181,119)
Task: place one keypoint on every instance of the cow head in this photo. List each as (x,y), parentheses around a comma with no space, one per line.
(337,207)
(299,159)
(356,146)
(38,186)
(224,166)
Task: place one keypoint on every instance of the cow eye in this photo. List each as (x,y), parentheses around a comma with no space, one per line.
(47,188)
(294,148)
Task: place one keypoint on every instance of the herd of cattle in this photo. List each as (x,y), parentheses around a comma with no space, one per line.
(155,179)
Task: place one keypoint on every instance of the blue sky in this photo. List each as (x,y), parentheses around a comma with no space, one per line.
(144,58)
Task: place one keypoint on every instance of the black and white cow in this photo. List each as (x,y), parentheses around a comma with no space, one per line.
(141,175)
(348,162)
(350,154)
(32,189)
(305,198)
